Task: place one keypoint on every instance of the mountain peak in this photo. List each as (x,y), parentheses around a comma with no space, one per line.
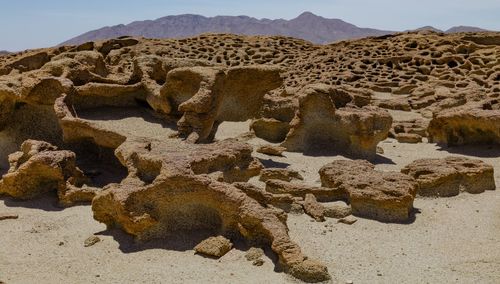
(308,14)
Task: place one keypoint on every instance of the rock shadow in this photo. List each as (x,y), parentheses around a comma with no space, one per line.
(181,241)
(270,163)
(481,151)
(47,202)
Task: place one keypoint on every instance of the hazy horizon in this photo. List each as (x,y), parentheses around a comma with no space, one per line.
(33,24)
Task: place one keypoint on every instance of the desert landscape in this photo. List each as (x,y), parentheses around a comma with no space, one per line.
(224,158)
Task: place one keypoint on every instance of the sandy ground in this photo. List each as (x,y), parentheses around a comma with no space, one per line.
(452,240)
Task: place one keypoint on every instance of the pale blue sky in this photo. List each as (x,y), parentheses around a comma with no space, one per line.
(41,23)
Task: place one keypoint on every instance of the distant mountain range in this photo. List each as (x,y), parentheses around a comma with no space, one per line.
(307,26)
(4,52)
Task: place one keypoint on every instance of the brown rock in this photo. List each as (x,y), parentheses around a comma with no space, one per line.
(279,173)
(214,246)
(168,191)
(460,127)
(323,194)
(313,208)
(271,150)
(384,196)
(323,122)
(408,138)
(349,220)
(6,216)
(254,253)
(337,210)
(90,241)
(310,271)
(39,168)
(448,176)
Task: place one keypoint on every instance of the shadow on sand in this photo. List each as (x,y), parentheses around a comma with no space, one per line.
(482,151)
(179,241)
(48,202)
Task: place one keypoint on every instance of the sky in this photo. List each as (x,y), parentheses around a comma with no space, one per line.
(28,24)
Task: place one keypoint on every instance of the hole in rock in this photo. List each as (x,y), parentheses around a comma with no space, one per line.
(182,217)
(98,163)
(148,171)
(452,64)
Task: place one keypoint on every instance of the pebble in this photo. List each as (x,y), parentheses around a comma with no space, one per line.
(349,220)
(6,216)
(92,240)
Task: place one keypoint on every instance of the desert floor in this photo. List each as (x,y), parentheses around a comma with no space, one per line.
(453,239)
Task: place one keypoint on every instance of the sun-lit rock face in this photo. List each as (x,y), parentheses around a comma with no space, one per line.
(138,119)
(40,168)
(449,176)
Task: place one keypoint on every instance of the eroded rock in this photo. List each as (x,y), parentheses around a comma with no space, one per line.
(40,168)
(451,175)
(384,196)
(214,246)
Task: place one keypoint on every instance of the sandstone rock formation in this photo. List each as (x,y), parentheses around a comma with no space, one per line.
(40,168)
(214,246)
(153,107)
(324,122)
(384,196)
(451,175)
(459,127)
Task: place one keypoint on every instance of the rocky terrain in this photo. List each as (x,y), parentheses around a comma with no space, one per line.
(221,143)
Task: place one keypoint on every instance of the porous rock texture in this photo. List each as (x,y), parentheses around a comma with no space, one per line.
(451,175)
(304,96)
(40,168)
(384,196)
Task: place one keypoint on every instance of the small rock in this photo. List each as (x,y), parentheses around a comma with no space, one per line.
(214,246)
(271,150)
(408,138)
(6,216)
(349,220)
(313,208)
(60,244)
(337,210)
(254,254)
(310,271)
(258,262)
(349,282)
(92,240)
(281,174)
(380,150)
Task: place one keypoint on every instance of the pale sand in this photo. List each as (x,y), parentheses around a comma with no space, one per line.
(453,239)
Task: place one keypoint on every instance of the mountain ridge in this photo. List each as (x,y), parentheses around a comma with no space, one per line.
(307,26)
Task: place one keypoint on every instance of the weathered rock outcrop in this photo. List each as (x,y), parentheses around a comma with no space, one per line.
(462,126)
(40,168)
(206,96)
(384,196)
(170,188)
(451,175)
(325,122)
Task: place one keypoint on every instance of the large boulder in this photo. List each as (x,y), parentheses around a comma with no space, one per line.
(448,176)
(384,196)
